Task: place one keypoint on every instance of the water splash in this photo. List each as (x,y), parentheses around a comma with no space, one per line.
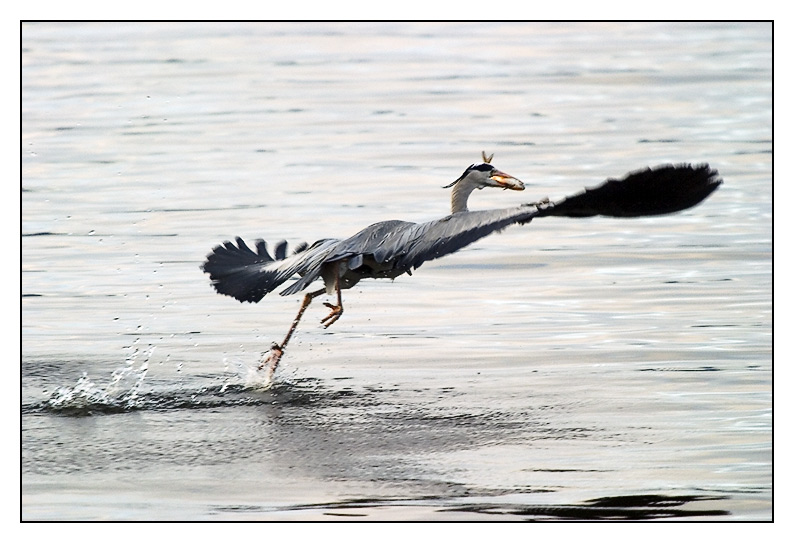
(127,390)
(121,394)
(78,398)
(251,377)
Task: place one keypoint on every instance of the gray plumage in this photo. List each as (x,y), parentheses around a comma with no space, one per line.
(391,248)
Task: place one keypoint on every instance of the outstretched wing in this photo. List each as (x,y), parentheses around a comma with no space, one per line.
(652,191)
(434,239)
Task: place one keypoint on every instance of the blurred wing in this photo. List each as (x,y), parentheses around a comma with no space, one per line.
(652,191)
(247,275)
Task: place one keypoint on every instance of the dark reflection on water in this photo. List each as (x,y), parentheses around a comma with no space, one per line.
(642,507)
(629,507)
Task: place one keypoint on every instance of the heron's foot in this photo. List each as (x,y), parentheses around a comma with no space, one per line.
(270,360)
(333,316)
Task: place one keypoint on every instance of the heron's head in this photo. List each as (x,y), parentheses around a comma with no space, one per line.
(483,174)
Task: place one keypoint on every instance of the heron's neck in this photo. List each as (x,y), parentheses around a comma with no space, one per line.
(460,196)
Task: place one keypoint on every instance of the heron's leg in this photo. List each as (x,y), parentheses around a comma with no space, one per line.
(277,350)
(336,310)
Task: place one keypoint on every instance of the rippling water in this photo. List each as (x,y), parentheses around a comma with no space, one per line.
(597,369)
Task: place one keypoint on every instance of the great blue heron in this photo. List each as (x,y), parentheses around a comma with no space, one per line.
(391,248)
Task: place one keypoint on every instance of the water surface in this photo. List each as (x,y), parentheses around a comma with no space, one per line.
(569,369)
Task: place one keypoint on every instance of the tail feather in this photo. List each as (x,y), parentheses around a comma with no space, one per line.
(280,251)
(247,275)
(652,191)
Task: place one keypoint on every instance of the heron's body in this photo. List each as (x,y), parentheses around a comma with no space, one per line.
(391,248)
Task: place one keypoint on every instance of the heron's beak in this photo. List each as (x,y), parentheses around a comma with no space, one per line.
(506,181)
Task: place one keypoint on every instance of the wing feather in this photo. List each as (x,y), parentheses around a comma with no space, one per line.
(239,272)
(399,246)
